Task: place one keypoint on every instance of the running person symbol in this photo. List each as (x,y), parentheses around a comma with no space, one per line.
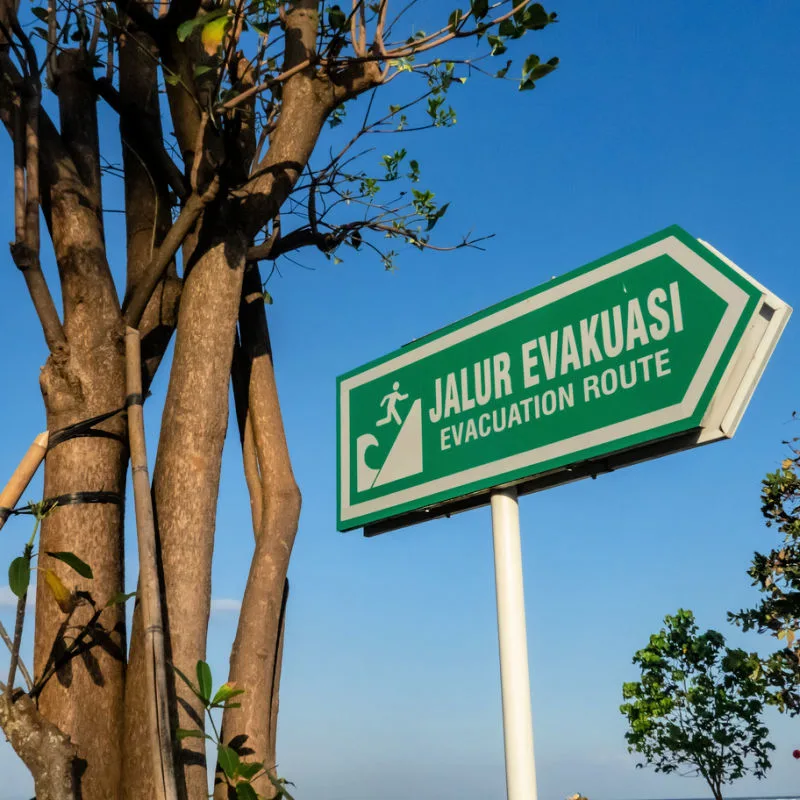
(390,401)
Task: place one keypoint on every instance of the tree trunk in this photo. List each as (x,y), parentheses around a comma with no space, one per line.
(84,699)
(185,486)
(256,653)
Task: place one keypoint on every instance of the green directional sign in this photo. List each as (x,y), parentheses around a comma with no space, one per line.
(663,338)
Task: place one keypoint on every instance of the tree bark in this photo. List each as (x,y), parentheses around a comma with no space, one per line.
(84,699)
(186,482)
(85,379)
(78,107)
(45,750)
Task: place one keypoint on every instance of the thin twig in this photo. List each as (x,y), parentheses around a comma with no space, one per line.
(20,663)
(95,32)
(199,150)
(25,249)
(284,76)
(17,643)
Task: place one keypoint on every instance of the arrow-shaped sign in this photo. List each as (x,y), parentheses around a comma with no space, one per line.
(652,349)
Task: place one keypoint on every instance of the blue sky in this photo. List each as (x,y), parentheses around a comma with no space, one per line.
(660,113)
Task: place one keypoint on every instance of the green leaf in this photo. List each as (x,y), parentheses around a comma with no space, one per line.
(455,18)
(185,28)
(41,13)
(261,28)
(250,769)
(336,18)
(544,69)
(71,560)
(480,8)
(172,79)
(19,575)
(434,218)
(244,791)
(530,63)
(228,760)
(202,69)
(185,733)
(187,681)
(280,784)
(508,28)
(267,297)
(533,70)
(204,681)
(498,47)
(120,598)
(535,18)
(336,117)
(503,72)
(225,693)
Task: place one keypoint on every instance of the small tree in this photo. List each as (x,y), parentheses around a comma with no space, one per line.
(242,137)
(777,576)
(696,710)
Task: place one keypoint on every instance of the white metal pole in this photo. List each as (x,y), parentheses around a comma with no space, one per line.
(514,677)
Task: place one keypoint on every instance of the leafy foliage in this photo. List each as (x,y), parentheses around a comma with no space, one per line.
(697,708)
(777,576)
(231,769)
(73,640)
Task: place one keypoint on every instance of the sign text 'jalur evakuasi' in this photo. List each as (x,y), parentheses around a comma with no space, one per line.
(627,350)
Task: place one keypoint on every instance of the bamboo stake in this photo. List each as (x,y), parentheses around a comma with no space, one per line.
(149,591)
(19,481)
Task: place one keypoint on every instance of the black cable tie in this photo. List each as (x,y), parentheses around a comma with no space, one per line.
(79,498)
(69,499)
(86,428)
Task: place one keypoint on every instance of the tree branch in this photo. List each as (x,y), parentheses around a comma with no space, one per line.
(78,113)
(18,625)
(46,751)
(142,137)
(20,663)
(74,226)
(302,237)
(25,133)
(240,379)
(134,304)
